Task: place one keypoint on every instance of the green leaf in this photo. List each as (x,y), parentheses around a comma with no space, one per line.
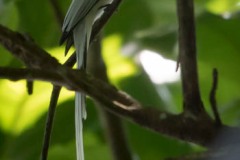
(223,6)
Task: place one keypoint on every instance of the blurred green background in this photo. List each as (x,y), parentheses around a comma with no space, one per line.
(138,25)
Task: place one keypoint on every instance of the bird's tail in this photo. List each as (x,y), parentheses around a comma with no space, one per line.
(79,36)
(79,115)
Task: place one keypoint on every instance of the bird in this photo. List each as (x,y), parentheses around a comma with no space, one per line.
(76,31)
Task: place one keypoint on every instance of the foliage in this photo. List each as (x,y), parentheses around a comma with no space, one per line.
(146,24)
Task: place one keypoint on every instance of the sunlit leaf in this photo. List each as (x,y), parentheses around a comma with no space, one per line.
(223,6)
(118,65)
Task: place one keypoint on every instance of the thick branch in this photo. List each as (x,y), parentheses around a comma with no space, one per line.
(201,130)
(187,55)
(26,50)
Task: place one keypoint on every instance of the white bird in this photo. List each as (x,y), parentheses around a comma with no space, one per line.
(77,28)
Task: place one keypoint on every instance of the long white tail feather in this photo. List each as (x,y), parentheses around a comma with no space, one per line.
(81,20)
(79,36)
(79,104)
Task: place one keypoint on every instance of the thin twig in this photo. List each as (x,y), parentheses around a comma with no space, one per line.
(212,98)
(51,111)
(49,122)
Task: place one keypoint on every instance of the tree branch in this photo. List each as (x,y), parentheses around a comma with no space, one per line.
(26,50)
(187,56)
(200,131)
(49,122)
(212,98)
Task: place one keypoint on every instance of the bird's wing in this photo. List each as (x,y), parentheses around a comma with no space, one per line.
(76,13)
